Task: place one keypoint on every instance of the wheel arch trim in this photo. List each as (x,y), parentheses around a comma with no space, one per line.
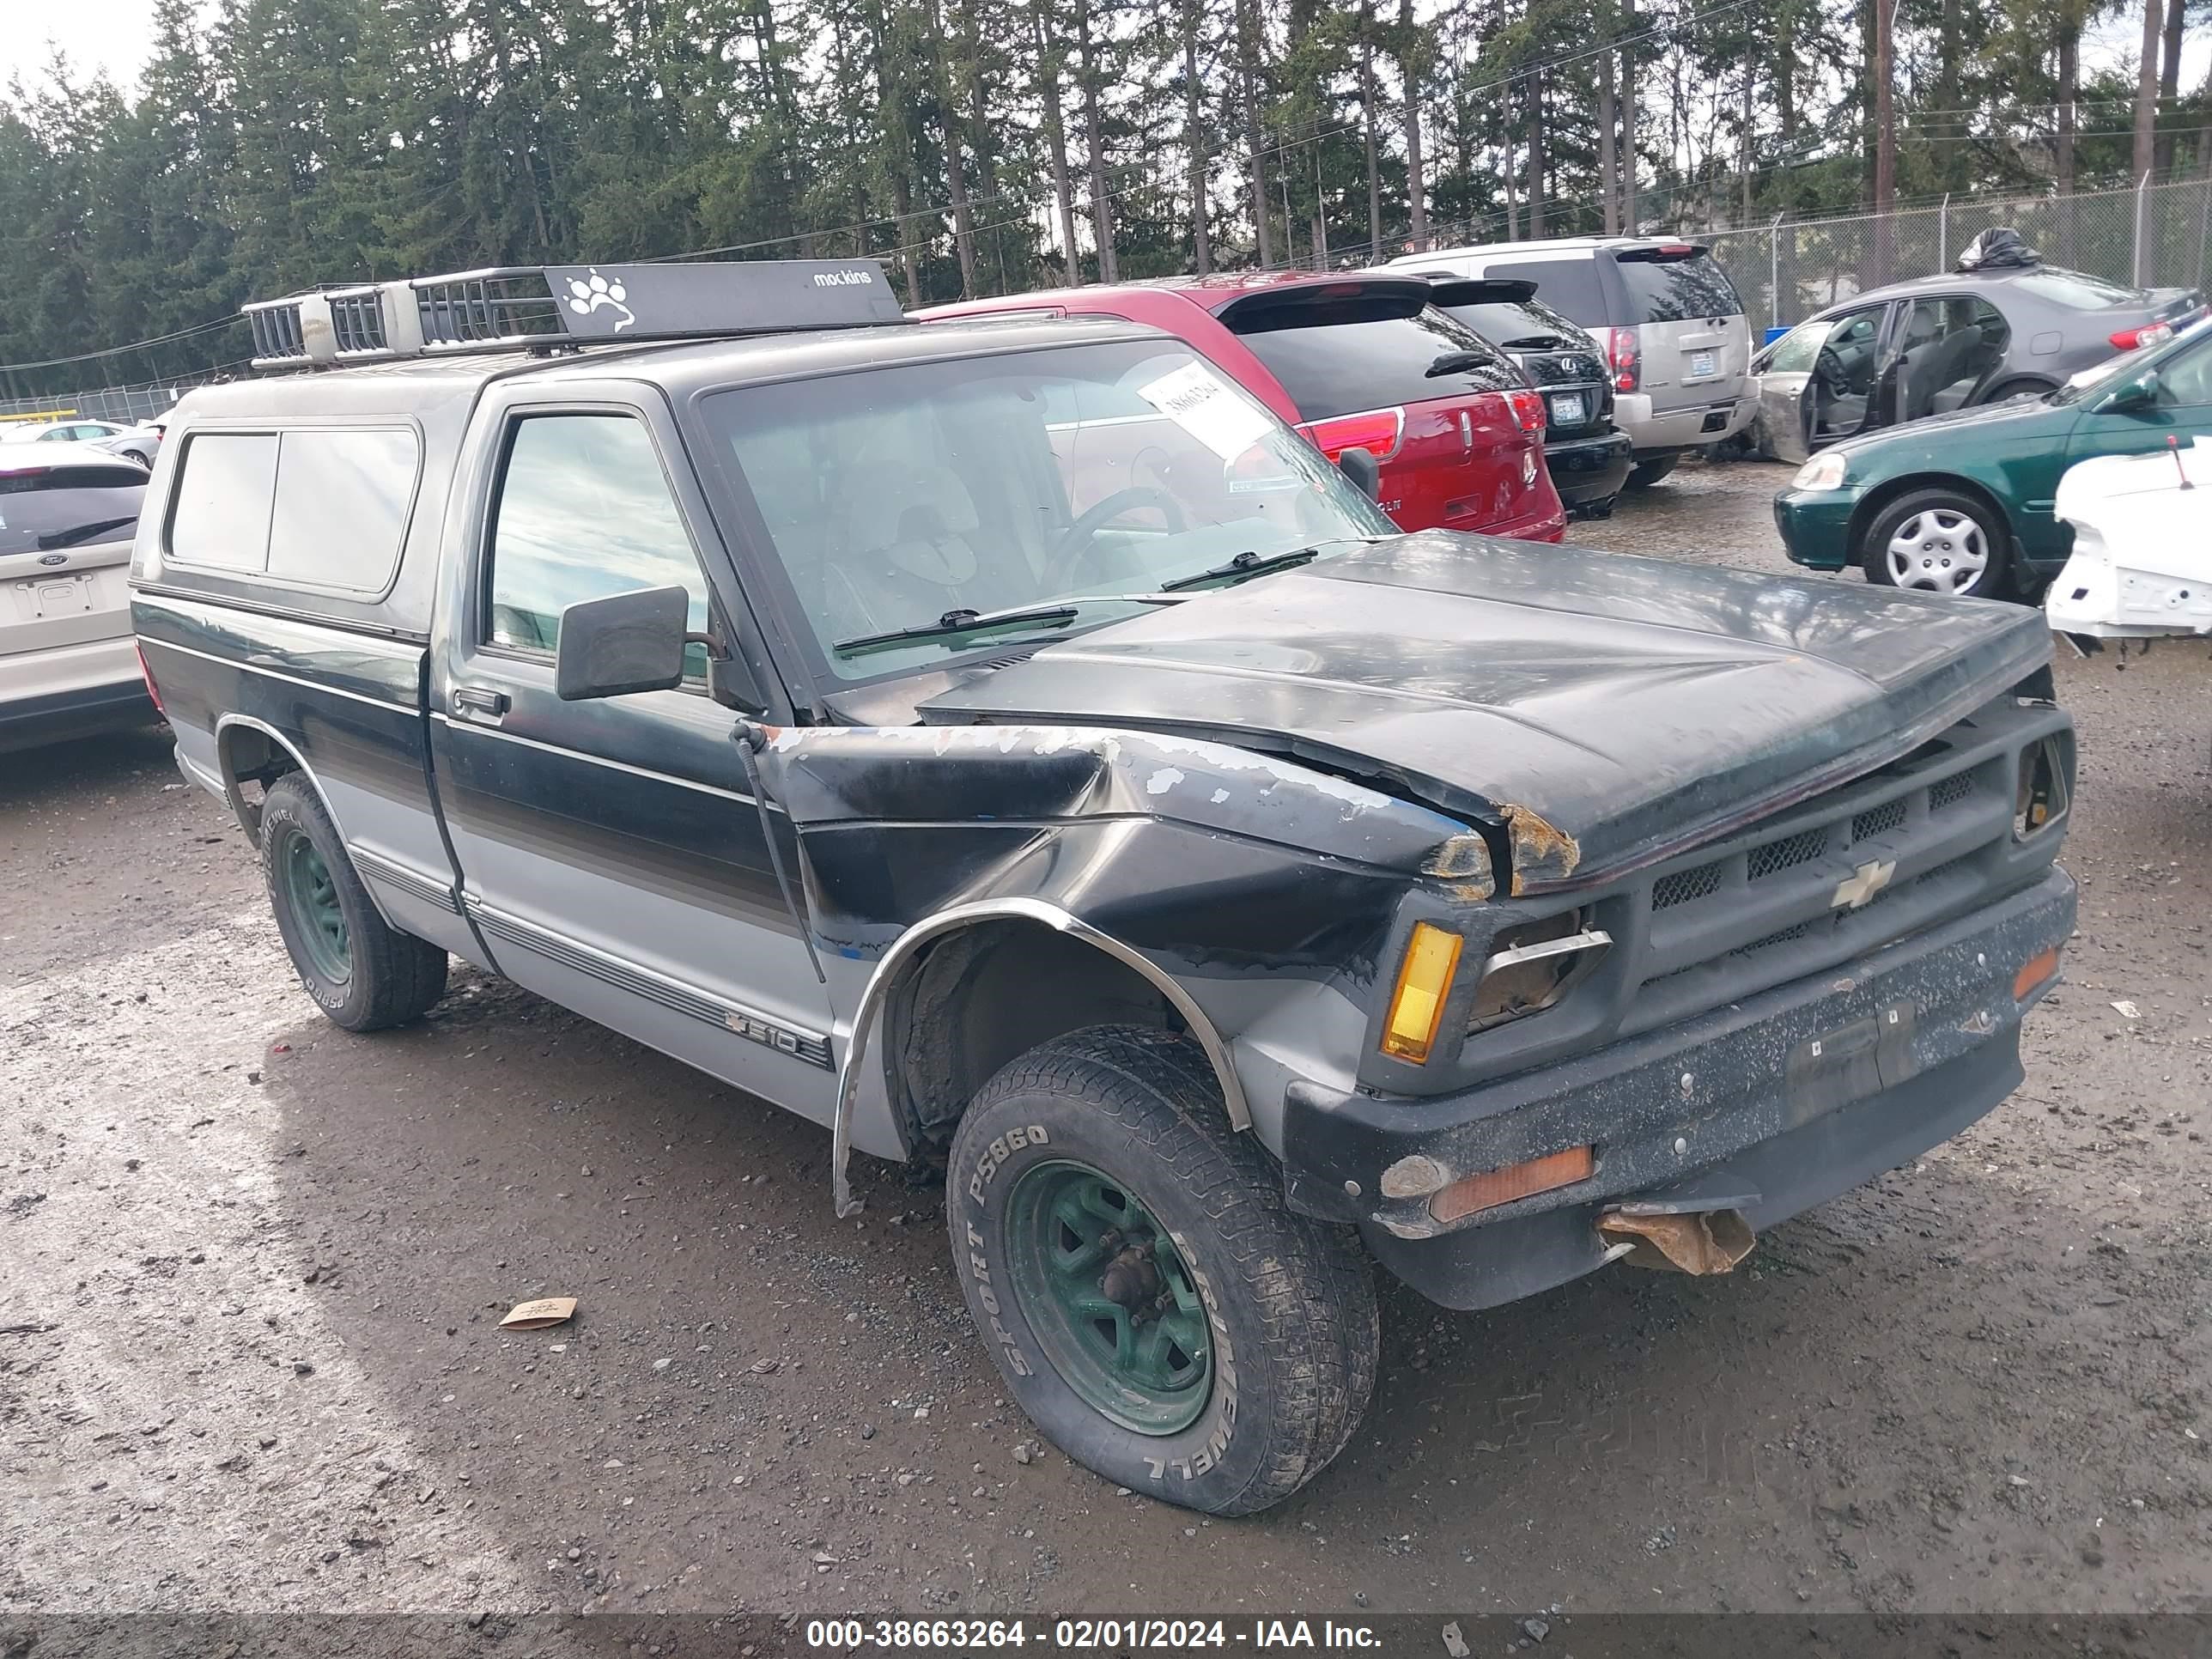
(909,946)
(249,815)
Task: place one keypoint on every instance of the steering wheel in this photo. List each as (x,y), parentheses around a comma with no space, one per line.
(1067,553)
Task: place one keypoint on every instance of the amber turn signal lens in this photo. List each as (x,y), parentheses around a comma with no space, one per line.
(2033,972)
(1423,981)
(1494,1186)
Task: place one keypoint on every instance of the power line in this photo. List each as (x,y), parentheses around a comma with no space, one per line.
(118,351)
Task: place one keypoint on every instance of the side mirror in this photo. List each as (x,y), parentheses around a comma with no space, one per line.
(2139,391)
(623,643)
(1363,469)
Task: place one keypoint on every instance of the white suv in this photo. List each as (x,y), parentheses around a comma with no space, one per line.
(1674,332)
(67,663)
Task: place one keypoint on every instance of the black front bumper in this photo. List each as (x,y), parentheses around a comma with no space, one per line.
(1586,470)
(1771,1105)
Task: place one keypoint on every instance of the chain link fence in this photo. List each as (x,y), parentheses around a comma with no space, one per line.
(2154,236)
(124,404)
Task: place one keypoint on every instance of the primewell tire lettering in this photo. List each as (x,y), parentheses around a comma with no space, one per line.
(999,1152)
(1223,1428)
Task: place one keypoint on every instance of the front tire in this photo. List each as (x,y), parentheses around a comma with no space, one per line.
(1148,1298)
(1938,541)
(364,974)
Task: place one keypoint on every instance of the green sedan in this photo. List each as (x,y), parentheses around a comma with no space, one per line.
(1961,503)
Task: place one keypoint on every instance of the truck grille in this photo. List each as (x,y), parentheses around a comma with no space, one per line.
(1889,854)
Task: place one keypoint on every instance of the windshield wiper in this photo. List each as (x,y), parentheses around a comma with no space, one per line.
(1530,343)
(957,623)
(1455,362)
(1250,563)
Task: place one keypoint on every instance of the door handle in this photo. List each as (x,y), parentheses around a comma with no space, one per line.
(480,703)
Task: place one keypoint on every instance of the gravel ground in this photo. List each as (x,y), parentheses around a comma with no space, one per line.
(251,1269)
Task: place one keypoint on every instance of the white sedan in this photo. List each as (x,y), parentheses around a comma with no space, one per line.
(140,443)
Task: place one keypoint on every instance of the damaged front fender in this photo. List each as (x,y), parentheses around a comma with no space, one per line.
(1231,882)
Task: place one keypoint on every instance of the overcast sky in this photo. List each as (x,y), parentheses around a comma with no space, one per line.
(110,34)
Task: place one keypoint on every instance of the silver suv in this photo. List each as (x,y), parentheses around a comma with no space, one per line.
(1673,328)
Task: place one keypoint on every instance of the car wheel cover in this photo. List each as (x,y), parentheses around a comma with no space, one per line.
(1939,550)
(1150,1368)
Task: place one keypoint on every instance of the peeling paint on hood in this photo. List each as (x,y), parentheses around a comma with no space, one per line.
(1600,710)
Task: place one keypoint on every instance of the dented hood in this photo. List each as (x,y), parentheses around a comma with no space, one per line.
(1599,710)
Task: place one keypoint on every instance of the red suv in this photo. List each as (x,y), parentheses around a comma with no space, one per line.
(1362,361)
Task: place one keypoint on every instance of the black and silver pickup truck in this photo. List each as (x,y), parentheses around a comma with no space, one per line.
(1008,745)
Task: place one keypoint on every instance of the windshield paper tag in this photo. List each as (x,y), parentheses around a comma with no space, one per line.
(1194,398)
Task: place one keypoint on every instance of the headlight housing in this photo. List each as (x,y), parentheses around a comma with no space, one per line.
(1525,968)
(2041,796)
(1826,471)
(1532,967)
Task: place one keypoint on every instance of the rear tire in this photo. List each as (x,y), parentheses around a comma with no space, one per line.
(1938,541)
(1146,1295)
(1644,474)
(364,974)
(2010,389)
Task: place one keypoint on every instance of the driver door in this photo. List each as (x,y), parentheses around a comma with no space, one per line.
(611,856)
(1797,388)
(1842,394)
(1784,377)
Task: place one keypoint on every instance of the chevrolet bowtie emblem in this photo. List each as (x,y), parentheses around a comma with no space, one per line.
(1863,884)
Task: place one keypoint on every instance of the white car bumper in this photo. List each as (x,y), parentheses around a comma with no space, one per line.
(1686,428)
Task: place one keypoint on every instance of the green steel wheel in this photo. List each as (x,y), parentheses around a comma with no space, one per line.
(1109,1296)
(364,973)
(1144,1292)
(313,896)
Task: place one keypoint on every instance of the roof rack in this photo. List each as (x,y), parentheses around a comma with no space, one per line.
(538,307)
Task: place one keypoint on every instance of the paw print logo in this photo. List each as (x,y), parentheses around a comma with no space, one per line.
(600,293)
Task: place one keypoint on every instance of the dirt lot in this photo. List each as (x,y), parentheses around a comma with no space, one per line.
(251,1266)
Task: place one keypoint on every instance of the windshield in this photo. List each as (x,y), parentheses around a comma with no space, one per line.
(897,497)
(2102,376)
(1795,352)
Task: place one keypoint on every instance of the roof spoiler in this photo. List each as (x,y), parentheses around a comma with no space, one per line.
(542,307)
(1404,287)
(1660,252)
(1449,289)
